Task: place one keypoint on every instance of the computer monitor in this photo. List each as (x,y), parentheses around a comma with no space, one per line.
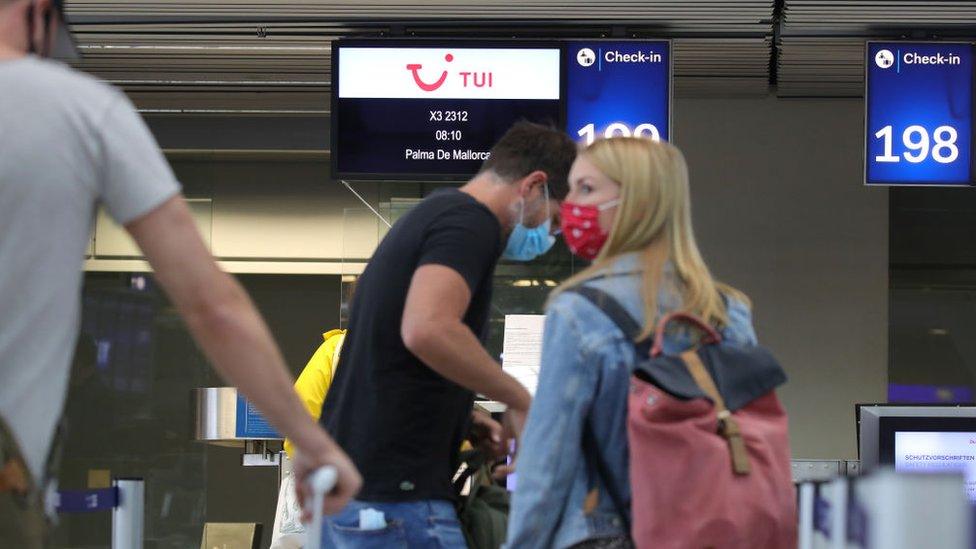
(919,439)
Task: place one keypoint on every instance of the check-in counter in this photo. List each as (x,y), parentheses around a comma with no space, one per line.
(223,417)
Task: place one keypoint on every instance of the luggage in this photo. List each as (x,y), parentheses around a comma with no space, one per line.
(483,511)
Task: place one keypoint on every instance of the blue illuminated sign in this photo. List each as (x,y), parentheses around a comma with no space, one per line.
(919,119)
(251,424)
(618,88)
(87,501)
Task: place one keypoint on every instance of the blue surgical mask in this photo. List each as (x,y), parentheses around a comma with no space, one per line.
(526,244)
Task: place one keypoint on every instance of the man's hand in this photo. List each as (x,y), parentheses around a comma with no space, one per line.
(488,435)
(347,485)
(513,422)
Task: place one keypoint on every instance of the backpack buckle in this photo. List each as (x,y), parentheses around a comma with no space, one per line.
(728,427)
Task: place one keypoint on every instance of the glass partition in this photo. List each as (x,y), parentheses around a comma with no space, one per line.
(129,410)
(932,296)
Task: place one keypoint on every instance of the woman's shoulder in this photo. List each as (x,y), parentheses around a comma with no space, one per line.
(592,327)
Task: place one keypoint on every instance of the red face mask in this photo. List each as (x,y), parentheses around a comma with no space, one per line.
(581,228)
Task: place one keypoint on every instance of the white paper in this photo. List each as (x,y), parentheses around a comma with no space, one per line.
(522,349)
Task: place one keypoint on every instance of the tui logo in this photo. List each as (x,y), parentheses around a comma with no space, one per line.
(415,69)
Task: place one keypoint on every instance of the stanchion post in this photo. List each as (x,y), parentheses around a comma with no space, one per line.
(129,514)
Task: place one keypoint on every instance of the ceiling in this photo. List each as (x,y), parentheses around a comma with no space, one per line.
(820,45)
(251,56)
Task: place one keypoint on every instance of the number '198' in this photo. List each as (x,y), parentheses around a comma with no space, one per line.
(941,144)
(618,129)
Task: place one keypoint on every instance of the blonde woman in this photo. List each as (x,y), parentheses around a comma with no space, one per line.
(629,212)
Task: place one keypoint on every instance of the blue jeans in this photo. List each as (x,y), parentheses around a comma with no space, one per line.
(409,525)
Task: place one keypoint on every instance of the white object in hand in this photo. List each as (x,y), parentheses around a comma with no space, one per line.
(319,483)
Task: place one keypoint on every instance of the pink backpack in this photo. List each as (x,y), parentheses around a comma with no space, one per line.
(709,443)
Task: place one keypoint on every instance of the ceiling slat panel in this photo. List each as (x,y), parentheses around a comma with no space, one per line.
(673,12)
(822,43)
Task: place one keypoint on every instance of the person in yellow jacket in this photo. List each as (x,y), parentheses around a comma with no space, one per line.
(315,379)
(312,386)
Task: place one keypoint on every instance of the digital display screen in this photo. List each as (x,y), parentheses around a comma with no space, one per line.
(418,109)
(919,113)
(938,452)
(618,88)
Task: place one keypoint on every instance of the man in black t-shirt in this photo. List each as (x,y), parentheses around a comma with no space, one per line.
(401,401)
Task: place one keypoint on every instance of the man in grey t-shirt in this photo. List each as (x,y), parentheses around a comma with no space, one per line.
(67,144)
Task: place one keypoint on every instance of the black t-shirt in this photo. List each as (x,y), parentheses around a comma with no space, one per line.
(401,422)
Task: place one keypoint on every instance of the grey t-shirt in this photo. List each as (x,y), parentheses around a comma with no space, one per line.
(67,144)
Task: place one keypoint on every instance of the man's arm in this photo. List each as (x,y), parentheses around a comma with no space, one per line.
(433,330)
(234,337)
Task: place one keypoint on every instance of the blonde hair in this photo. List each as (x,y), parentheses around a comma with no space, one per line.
(654,217)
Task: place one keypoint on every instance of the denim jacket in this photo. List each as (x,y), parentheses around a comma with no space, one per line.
(581,346)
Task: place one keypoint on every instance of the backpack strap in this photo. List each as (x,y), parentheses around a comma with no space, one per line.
(728,427)
(473,461)
(612,308)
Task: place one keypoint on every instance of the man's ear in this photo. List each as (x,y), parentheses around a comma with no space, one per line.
(532,184)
